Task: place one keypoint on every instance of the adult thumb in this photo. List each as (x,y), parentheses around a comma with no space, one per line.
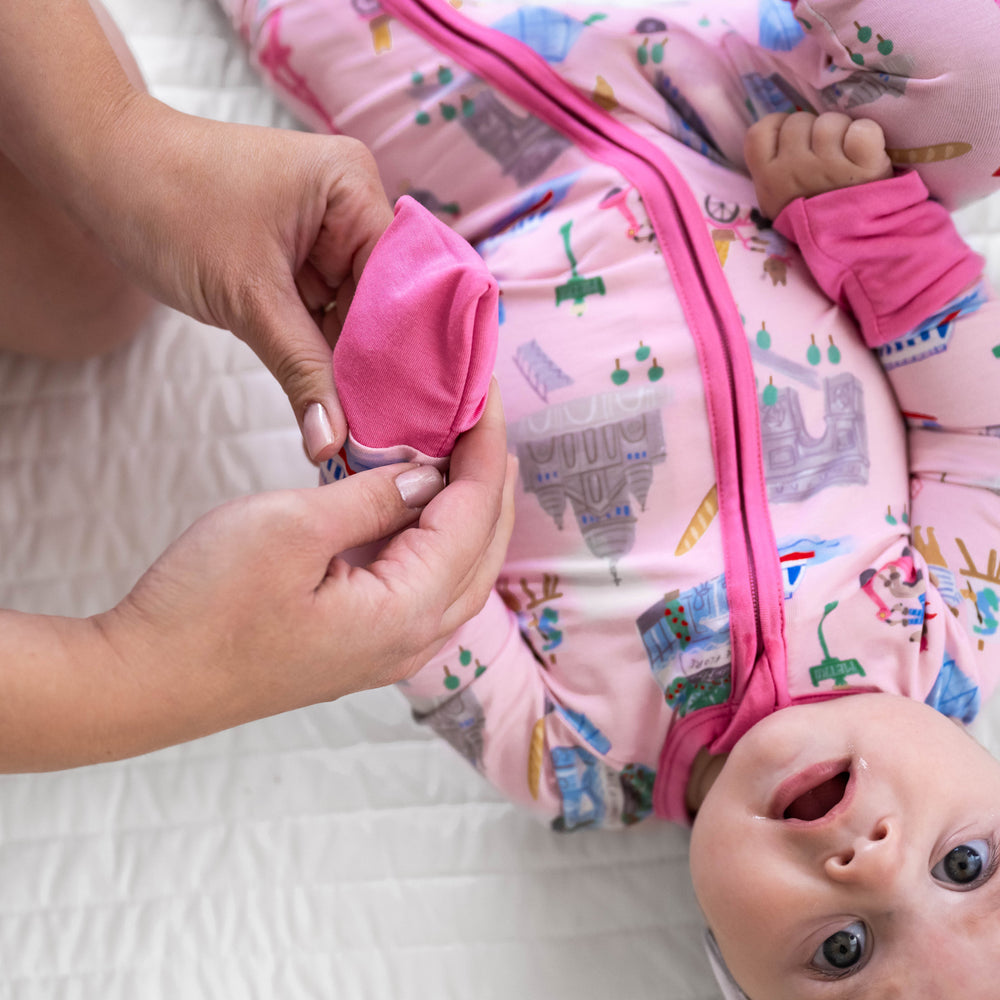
(292,346)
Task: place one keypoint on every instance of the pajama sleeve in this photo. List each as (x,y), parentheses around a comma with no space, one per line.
(882,251)
(894,259)
(485,693)
(489,694)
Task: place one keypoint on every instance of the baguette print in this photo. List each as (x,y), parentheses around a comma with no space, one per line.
(698,525)
(536,751)
(603,94)
(929,154)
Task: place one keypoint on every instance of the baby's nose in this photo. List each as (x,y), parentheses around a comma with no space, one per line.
(870,855)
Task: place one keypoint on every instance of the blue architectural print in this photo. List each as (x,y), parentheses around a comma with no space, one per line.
(582,785)
(779,30)
(767,94)
(686,636)
(954,694)
(926,543)
(595,795)
(587,731)
(933,336)
(686,124)
(548,32)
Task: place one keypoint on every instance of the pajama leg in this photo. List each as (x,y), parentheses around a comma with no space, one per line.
(947,379)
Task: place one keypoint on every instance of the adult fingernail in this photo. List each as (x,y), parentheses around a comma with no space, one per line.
(419,486)
(316,430)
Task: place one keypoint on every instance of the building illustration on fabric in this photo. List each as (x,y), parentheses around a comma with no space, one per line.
(773,93)
(798,465)
(547,31)
(522,144)
(540,371)
(865,86)
(954,693)
(933,336)
(686,636)
(926,543)
(594,794)
(597,454)
(459,721)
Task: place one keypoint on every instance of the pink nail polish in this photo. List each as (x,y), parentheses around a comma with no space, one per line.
(316,430)
(419,486)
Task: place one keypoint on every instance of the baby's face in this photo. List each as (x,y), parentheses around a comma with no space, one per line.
(848,849)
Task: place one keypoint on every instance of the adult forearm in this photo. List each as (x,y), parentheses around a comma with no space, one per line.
(67,698)
(64,95)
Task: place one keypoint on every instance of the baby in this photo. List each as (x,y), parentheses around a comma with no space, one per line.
(753,573)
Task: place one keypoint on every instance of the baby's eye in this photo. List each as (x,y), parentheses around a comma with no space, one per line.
(965,864)
(843,950)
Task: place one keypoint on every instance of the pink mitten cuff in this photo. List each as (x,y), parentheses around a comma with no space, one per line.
(884,251)
(414,359)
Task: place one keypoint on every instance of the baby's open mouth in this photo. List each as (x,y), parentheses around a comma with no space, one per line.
(814,793)
(820,800)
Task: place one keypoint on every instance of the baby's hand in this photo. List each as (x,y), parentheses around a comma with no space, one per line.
(801,155)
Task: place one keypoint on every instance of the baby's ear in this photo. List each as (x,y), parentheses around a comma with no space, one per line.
(730,988)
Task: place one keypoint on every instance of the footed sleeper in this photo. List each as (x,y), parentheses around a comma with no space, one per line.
(758,461)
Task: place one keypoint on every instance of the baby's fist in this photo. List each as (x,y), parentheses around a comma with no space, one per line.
(801,155)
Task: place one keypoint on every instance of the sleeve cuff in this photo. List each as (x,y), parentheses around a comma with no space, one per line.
(884,251)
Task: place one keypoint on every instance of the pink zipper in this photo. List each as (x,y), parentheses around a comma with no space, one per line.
(754,584)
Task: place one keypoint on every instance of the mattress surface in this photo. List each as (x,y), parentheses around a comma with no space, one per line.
(339,851)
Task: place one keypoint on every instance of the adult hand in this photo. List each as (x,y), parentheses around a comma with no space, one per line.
(253,611)
(260,231)
(256,230)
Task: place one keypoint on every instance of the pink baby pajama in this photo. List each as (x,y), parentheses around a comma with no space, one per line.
(715,516)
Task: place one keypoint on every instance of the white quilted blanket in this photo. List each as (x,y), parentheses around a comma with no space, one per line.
(338,852)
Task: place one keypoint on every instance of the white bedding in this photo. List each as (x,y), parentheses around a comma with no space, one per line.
(340,851)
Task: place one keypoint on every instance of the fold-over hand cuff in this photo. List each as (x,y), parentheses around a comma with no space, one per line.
(883,251)
(414,360)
